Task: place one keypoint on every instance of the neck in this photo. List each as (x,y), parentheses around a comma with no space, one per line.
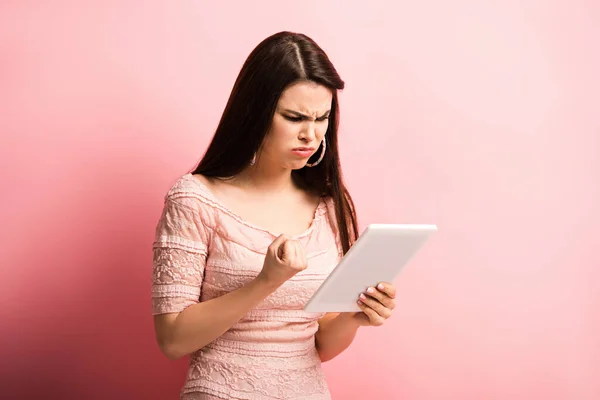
(266,179)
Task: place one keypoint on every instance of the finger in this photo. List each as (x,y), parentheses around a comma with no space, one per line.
(388,289)
(374,318)
(287,251)
(276,245)
(376,306)
(381,297)
(301,254)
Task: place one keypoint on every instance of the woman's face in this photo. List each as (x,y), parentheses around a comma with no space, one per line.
(298,127)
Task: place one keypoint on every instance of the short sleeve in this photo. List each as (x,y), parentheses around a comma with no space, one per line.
(179,256)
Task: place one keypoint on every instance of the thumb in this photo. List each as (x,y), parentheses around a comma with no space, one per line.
(278,244)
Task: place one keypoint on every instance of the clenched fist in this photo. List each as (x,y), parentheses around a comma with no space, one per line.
(285,258)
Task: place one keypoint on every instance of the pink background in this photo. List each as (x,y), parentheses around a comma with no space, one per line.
(481,117)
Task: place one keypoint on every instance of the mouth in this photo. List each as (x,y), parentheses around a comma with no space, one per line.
(304,149)
(303,152)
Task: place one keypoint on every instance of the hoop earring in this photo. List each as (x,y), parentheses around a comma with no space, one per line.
(321,157)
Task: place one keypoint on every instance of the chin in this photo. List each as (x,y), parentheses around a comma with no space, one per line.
(297,165)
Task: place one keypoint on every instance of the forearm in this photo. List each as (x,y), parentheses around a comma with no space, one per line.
(200,324)
(335,334)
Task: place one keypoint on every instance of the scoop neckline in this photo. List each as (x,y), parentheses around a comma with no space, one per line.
(252,225)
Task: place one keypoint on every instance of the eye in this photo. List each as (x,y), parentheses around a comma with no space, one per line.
(325,118)
(293,119)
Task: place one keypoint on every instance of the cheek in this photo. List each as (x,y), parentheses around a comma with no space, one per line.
(283,130)
(322,129)
(279,135)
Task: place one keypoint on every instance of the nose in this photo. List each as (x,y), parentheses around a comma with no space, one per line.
(308,133)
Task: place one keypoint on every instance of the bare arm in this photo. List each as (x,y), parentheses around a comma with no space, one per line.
(179,334)
(196,326)
(336,332)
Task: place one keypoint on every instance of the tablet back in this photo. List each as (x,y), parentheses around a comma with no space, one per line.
(377,256)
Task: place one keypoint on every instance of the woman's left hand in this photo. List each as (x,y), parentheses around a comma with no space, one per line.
(376,304)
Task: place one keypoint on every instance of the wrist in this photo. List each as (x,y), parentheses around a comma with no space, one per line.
(349,320)
(262,283)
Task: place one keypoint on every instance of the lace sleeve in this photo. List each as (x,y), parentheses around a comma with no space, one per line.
(179,255)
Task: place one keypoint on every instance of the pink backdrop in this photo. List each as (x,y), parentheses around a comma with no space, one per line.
(481,117)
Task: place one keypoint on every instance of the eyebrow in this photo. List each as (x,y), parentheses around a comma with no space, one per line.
(298,114)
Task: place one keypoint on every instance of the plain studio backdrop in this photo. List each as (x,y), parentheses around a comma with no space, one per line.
(479,116)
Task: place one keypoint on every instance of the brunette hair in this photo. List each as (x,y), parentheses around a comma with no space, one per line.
(276,63)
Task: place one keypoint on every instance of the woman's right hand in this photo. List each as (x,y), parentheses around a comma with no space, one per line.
(285,258)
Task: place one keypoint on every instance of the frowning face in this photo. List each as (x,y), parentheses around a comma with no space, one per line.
(298,127)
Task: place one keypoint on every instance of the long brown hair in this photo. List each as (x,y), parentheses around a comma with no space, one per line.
(276,63)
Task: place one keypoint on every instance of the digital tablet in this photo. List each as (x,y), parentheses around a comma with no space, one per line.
(378,255)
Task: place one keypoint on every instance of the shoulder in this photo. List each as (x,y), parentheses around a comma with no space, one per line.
(184,186)
(190,199)
(329,208)
(188,213)
(189,191)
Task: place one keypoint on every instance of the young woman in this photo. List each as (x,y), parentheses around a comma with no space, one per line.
(247,237)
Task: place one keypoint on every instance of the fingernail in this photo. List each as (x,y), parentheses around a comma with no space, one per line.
(370,290)
(380,286)
(362,296)
(359,302)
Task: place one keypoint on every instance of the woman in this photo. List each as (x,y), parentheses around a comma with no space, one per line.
(247,237)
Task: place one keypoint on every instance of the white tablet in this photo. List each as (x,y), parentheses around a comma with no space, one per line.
(378,255)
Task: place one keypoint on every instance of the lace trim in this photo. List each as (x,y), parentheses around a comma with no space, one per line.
(282,315)
(166,305)
(201,396)
(257,249)
(217,393)
(251,377)
(262,349)
(177,277)
(271,389)
(181,243)
(175,266)
(242,271)
(208,198)
(175,291)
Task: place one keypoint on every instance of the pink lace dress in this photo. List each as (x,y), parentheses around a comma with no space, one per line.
(203,250)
